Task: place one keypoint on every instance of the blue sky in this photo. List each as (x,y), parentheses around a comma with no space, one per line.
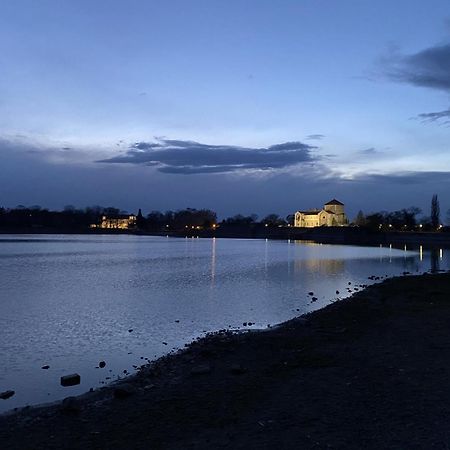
(170,104)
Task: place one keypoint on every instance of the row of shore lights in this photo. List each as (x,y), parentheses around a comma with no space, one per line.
(420,226)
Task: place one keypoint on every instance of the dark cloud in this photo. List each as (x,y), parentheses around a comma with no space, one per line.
(439,116)
(189,157)
(406,178)
(428,68)
(315,137)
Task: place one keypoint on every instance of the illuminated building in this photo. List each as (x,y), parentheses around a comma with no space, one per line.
(332,215)
(117,222)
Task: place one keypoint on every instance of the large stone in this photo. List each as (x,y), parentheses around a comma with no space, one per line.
(6,394)
(70,380)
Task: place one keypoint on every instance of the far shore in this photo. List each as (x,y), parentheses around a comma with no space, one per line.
(366,372)
(324,235)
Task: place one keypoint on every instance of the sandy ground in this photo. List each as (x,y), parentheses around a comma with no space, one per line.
(369,372)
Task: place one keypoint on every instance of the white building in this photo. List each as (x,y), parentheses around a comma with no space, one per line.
(332,215)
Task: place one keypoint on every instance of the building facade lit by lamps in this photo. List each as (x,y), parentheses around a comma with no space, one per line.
(331,215)
(117,222)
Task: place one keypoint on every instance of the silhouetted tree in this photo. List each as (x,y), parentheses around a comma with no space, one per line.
(360,219)
(273,220)
(435,212)
(140,221)
(376,221)
(239,219)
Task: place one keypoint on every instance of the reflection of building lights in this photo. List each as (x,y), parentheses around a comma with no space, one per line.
(441,253)
(390,225)
(421,253)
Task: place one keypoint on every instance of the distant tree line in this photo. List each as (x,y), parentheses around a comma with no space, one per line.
(408,219)
(73,219)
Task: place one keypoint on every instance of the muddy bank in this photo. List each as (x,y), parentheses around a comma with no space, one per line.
(368,372)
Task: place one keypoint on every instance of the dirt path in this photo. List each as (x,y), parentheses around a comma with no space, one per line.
(369,372)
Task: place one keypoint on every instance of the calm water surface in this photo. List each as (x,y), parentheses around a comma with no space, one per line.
(71,301)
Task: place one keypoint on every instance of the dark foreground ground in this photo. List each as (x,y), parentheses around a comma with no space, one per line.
(372,372)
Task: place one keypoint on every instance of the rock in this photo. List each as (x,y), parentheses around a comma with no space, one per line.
(101,364)
(337,292)
(6,394)
(124,390)
(244,324)
(201,370)
(70,405)
(45,367)
(237,369)
(70,380)
(310,293)
(130,330)
(314,299)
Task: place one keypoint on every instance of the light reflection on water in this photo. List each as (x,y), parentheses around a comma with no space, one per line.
(70,301)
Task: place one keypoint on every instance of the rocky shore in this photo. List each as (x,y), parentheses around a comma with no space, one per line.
(368,372)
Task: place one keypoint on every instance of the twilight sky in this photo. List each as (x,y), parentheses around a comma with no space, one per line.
(249,106)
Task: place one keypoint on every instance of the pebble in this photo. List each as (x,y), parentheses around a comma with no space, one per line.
(6,394)
(70,380)
(101,364)
(45,367)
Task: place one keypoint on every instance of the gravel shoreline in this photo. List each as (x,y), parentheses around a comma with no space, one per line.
(367,372)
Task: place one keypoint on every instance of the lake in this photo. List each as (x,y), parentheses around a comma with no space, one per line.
(71,301)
